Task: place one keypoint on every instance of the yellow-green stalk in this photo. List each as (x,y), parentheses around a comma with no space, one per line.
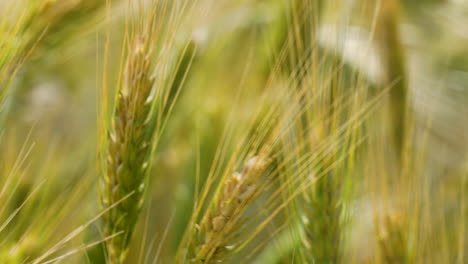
(392,50)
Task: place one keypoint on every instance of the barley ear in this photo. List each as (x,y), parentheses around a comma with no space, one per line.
(215,235)
(129,145)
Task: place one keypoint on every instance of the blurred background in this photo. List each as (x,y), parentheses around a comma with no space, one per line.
(53,98)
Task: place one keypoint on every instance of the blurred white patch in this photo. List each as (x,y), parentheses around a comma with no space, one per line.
(458,1)
(200,35)
(354,46)
(44,100)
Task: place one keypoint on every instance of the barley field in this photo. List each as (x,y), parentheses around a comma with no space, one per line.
(233,131)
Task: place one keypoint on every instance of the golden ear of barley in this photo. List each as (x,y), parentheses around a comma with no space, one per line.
(130,141)
(224,218)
